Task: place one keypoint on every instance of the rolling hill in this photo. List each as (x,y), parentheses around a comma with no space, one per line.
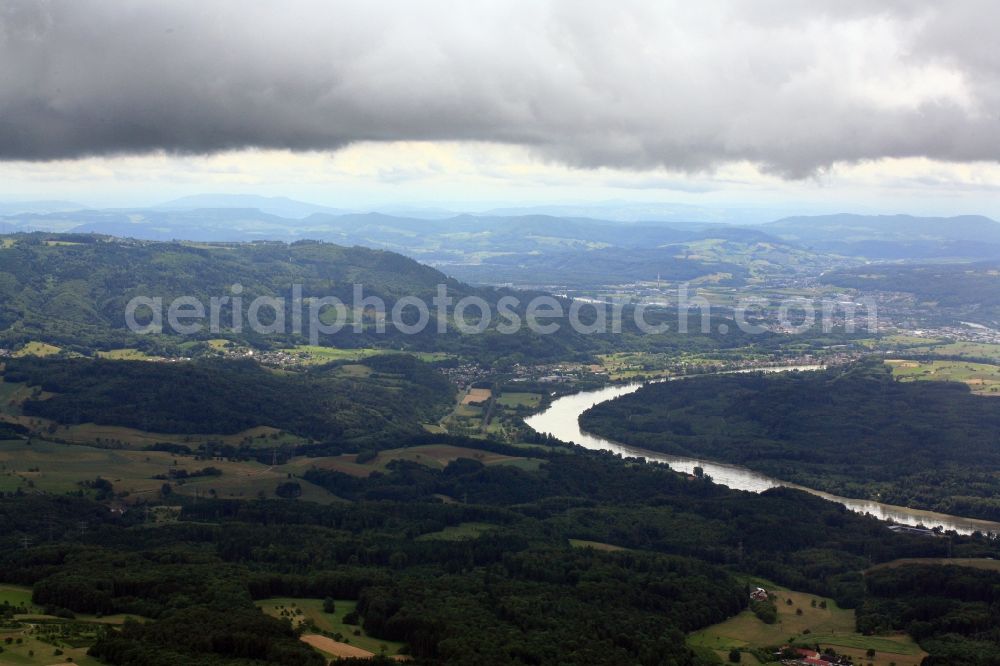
(893,236)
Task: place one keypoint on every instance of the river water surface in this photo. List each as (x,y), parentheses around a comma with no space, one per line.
(562,420)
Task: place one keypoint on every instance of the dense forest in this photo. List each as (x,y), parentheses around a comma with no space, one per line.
(515,593)
(853,430)
(323,403)
(953,611)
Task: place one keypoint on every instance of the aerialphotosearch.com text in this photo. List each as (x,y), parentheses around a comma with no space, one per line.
(316,316)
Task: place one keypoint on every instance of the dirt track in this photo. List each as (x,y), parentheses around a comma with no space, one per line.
(335,648)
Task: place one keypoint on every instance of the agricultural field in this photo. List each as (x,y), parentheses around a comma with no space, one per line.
(90,433)
(467,417)
(981,378)
(903,339)
(309,612)
(479,411)
(317,355)
(57,649)
(476,395)
(985,564)
(520,400)
(129,354)
(59,468)
(978,350)
(435,456)
(829,626)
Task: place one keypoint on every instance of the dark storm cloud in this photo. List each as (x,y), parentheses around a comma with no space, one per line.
(792,86)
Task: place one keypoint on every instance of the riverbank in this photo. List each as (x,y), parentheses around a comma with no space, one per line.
(561,419)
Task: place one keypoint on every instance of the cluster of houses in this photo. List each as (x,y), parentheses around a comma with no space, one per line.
(808,657)
(465,374)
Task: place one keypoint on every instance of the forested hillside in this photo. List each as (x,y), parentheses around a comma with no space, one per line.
(854,431)
(328,404)
(954,611)
(73,290)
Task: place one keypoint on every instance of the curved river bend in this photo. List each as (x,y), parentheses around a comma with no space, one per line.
(562,420)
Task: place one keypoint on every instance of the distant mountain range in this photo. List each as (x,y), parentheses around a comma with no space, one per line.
(280,206)
(17,207)
(893,236)
(537,249)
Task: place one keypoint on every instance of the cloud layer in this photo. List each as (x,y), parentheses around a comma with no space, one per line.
(786,85)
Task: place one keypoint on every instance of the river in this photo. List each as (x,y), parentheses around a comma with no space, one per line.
(562,420)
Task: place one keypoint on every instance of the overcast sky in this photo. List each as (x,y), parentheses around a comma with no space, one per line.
(854,105)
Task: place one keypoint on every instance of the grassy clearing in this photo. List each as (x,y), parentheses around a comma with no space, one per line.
(89,433)
(58,468)
(312,354)
(302,611)
(37,349)
(460,532)
(911,340)
(468,411)
(981,378)
(520,400)
(128,354)
(317,355)
(525,464)
(596,545)
(476,395)
(435,456)
(431,357)
(34,652)
(971,562)
(355,370)
(828,627)
(16,595)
